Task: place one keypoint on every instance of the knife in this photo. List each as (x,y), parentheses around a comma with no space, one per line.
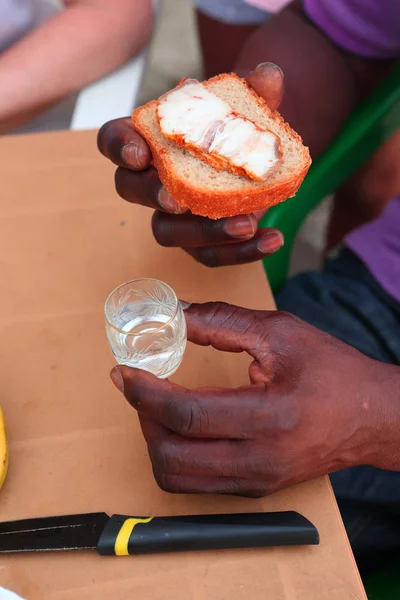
(121,535)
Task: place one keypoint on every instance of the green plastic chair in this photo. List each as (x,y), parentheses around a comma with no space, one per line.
(369,126)
(385,584)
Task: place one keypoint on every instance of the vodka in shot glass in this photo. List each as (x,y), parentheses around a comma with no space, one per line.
(146,327)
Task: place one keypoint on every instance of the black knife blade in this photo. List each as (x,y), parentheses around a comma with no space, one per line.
(68,532)
(121,535)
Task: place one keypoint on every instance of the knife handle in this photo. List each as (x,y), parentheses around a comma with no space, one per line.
(147,535)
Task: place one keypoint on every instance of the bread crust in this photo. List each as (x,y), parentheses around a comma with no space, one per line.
(220,203)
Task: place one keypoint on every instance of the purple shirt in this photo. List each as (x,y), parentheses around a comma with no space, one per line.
(369,28)
(378,246)
(15,18)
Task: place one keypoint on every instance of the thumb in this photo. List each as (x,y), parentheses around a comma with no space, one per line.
(267,81)
(224,326)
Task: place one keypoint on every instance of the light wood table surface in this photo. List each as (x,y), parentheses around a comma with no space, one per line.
(66,241)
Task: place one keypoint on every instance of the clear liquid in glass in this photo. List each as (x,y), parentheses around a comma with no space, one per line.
(153,341)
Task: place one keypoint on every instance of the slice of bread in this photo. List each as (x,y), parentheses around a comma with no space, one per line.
(215,194)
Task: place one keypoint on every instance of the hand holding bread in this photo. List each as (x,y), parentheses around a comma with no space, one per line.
(213,242)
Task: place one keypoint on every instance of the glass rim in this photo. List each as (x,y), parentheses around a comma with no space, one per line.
(137,281)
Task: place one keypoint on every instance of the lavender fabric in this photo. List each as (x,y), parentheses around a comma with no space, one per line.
(369,28)
(378,246)
(16,16)
(233,12)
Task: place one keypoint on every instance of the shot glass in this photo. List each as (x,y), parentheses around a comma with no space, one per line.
(146,327)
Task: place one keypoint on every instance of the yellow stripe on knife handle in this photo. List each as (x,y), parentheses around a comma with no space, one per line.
(124,534)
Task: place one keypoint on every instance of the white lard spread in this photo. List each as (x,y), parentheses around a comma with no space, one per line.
(205,123)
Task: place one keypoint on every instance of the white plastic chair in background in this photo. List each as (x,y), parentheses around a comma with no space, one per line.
(113,96)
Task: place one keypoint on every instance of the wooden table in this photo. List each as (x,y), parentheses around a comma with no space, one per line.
(75,446)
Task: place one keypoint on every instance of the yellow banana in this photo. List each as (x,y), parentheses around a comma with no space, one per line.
(3,450)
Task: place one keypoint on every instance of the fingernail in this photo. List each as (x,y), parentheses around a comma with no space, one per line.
(166,201)
(185,305)
(117,380)
(271,242)
(269,65)
(241,226)
(130,155)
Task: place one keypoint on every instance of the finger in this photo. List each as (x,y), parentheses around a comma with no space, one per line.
(264,243)
(145,189)
(191,231)
(118,141)
(182,484)
(214,413)
(175,455)
(267,81)
(225,327)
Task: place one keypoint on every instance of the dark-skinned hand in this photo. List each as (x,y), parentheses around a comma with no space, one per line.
(313,406)
(230,241)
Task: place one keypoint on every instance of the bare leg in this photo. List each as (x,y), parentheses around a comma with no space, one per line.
(363,197)
(220,44)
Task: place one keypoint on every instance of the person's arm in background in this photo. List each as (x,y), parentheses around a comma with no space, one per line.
(86,40)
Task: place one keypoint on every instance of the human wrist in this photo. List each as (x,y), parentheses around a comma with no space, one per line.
(381,408)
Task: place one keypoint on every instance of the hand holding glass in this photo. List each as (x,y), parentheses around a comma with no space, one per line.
(146,327)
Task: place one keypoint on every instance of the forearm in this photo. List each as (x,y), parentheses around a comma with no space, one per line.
(75,47)
(322,83)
